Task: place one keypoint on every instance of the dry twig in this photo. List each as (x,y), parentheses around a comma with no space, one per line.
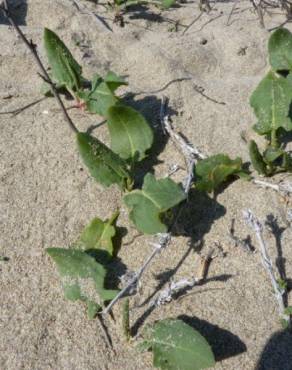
(257,227)
(284,188)
(258,8)
(84,10)
(17,111)
(166,295)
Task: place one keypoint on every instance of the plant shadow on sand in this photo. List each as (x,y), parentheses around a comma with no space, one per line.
(224,343)
(277,354)
(144,12)
(18,9)
(193,225)
(149,106)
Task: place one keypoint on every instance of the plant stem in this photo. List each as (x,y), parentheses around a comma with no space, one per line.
(33,49)
(274,139)
(126,319)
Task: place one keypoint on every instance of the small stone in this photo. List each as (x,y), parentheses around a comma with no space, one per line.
(203,41)
(242,51)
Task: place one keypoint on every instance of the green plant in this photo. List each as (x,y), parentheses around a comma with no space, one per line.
(83,267)
(151,202)
(176,345)
(124,4)
(213,171)
(272,102)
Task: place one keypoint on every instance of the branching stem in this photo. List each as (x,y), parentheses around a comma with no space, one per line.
(33,49)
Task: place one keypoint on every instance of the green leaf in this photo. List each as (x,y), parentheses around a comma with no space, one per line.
(148,205)
(272,154)
(288,310)
(176,345)
(81,275)
(284,323)
(282,284)
(64,68)
(46,89)
(271,102)
(114,81)
(131,136)
(104,165)
(214,170)
(167,3)
(280,50)
(257,159)
(92,309)
(101,96)
(101,99)
(99,234)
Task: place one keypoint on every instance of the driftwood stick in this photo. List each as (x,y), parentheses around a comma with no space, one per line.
(257,227)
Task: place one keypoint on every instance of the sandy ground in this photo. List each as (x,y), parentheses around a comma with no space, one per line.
(46,197)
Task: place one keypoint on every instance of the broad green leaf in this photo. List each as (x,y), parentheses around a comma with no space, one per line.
(148,205)
(167,3)
(271,102)
(73,293)
(176,345)
(104,165)
(92,309)
(101,99)
(271,154)
(102,94)
(99,234)
(131,136)
(280,50)
(82,277)
(114,81)
(64,68)
(257,159)
(214,170)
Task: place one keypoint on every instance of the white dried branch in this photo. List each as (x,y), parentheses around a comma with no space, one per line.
(173,287)
(284,188)
(166,295)
(164,240)
(257,227)
(187,149)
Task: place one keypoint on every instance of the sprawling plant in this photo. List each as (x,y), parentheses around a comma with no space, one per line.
(84,266)
(212,172)
(272,103)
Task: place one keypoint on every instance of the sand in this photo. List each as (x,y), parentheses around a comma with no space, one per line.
(47,196)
